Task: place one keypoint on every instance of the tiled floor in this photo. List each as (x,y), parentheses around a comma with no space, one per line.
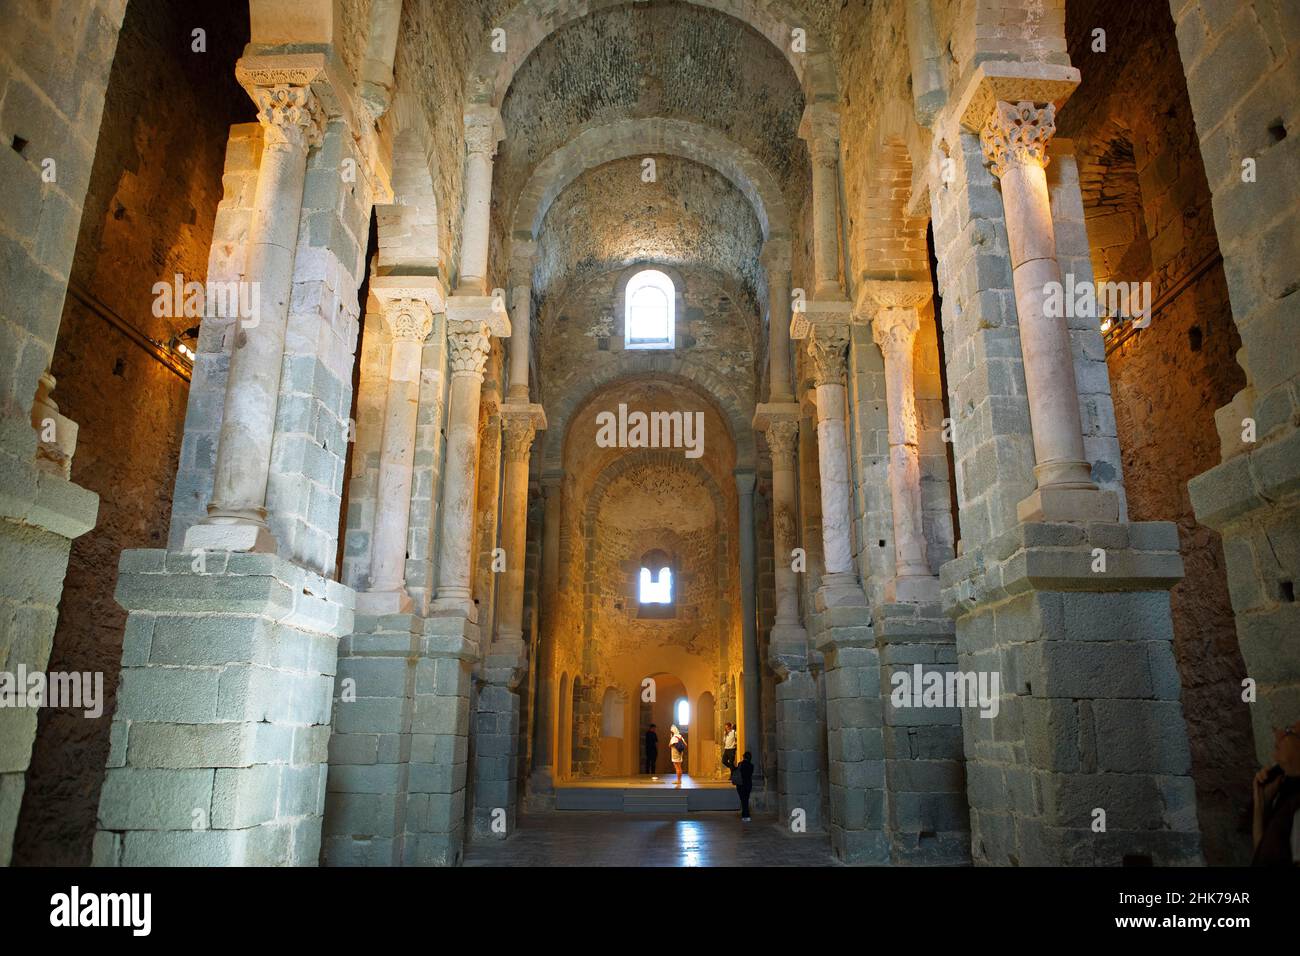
(622,839)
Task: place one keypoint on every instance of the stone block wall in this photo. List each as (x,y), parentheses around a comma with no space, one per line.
(1086,761)
(149,209)
(219,740)
(55,71)
(1253,497)
(399,751)
(927,819)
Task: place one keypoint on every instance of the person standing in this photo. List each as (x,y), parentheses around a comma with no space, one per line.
(651,749)
(677,750)
(729,747)
(743,778)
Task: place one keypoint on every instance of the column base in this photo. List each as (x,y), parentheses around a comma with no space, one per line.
(1088,715)
(454,606)
(840,590)
(244,537)
(219,740)
(1052,504)
(540,792)
(384,602)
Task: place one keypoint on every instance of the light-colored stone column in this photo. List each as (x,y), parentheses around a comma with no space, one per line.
(780,423)
(521,282)
(753,739)
(471,323)
(521,424)
(776,260)
(1015,137)
(483,130)
(827,339)
(409,305)
(292,121)
(820,126)
(894,329)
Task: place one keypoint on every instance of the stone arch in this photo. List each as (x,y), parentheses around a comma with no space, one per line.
(636,137)
(529,22)
(1113,208)
(662,366)
(409,239)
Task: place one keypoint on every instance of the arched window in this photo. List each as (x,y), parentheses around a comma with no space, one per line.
(655,585)
(649,305)
(682,714)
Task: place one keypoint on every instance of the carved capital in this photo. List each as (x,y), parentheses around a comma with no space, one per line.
(468,344)
(775,256)
(783,440)
(291,116)
(518,438)
(827,347)
(483,130)
(1017,134)
(894,330)
(409,320)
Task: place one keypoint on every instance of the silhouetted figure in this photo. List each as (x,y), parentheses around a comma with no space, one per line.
(1276,829)
(729,747)
(743,777)
(651,749)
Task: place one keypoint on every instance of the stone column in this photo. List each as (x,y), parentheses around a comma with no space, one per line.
(541,784)
(749,628)
(408,310)
(471,323)
(827,341)
(776,260)
(1014,137)
(842,628)
(292,123)
(521,281)
(894,330)
(497,729)
(798,758)
(820,126)
(483,130)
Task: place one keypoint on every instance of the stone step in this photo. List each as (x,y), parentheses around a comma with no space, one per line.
(646,799)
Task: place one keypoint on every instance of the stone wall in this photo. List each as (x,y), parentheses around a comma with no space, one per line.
(148,216)
(1147,211)
(1244,128)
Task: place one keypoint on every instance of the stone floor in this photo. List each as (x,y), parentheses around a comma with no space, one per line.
(622,839)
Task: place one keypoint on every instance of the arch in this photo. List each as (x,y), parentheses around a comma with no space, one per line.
(529,22)
(611,713)
(666,367)
(706,717)
(638,137)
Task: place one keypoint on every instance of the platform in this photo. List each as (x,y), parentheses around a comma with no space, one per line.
(646,795)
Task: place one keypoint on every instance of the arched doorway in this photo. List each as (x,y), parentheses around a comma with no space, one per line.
(665,693)
(564,731)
